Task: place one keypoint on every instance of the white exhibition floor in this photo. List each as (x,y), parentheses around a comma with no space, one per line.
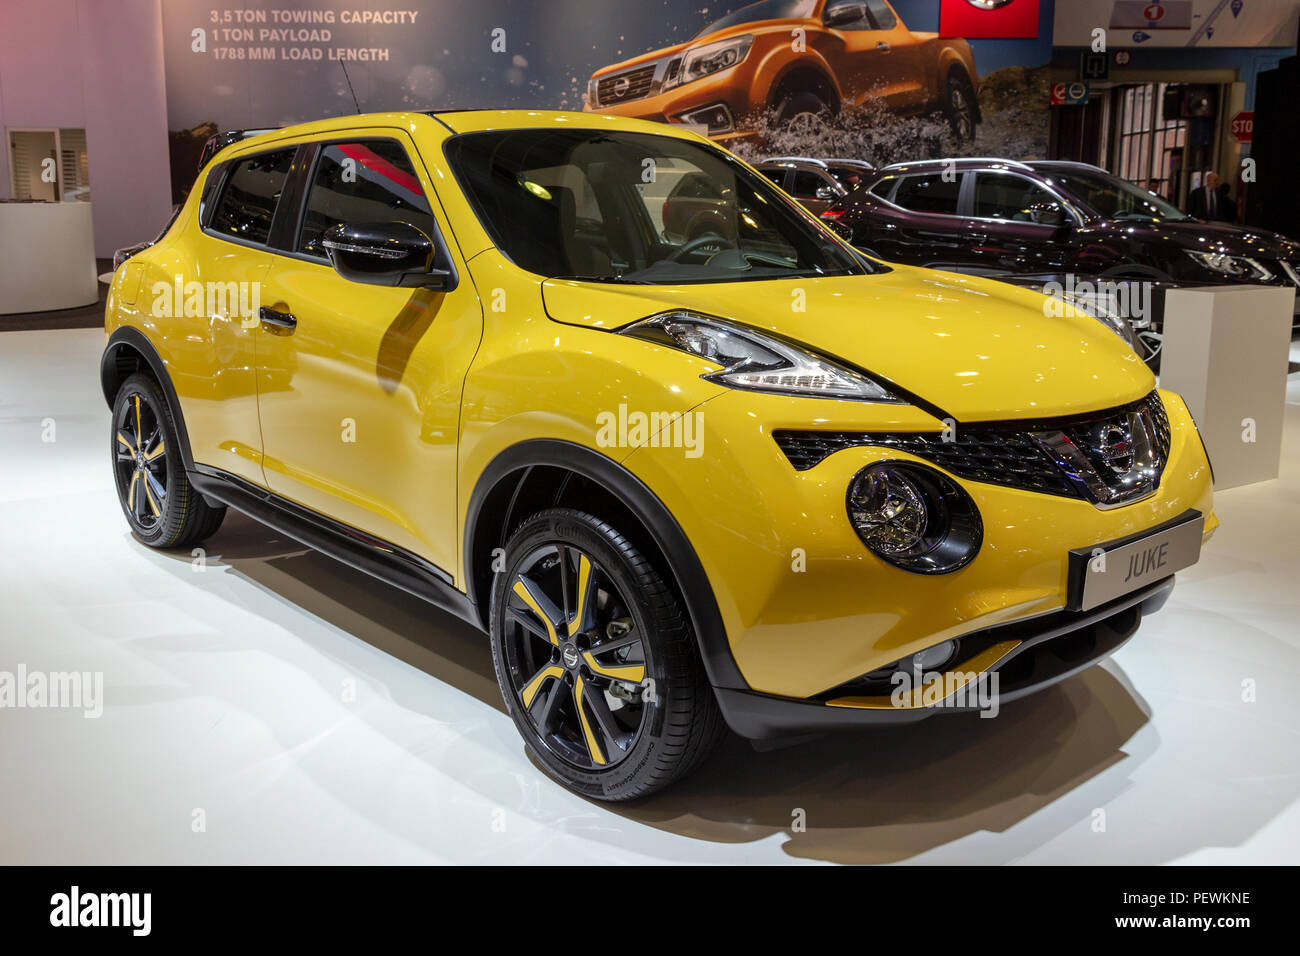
(225,693)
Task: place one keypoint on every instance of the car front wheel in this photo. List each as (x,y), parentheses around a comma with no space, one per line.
(596,659)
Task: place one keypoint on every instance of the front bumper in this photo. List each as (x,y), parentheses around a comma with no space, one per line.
(1012,660)
(806,608)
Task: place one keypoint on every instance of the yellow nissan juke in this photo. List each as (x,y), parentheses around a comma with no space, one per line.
(688,458)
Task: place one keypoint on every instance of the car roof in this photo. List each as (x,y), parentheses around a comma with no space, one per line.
(479,120)
(793,160)
(961,162)
(1064,164)
(466,121)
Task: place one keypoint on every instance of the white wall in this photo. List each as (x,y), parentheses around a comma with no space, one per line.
(95,65)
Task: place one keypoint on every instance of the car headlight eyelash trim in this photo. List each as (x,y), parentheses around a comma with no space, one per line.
(757,361)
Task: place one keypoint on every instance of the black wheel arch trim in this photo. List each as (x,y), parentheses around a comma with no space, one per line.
(683,563)
(133,339)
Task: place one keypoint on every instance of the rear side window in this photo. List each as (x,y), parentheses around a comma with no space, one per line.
(248,200)
(776,175)
(363,181)
(929,193)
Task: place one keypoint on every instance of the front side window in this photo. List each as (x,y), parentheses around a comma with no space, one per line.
(1003,196)
(930,192)
(850,177)
(806,185)
(252,190)
(636,207)
(363,181)
(1112,197)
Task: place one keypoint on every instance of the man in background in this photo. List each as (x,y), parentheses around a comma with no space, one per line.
(1211,204)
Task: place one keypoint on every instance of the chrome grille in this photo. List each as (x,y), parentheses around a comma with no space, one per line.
(1108,458)
(625,86)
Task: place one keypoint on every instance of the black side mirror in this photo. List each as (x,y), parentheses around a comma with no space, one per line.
(384,253)
(841,12)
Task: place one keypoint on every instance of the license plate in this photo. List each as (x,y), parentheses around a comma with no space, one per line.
(1105,572)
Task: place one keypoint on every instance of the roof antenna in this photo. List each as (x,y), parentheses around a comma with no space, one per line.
(350,89)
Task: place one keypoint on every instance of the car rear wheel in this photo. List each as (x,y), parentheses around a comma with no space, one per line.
(959,106)
(596,660)
(160,505)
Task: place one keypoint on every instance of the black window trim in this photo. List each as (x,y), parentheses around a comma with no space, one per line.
(224,171)
(293,203)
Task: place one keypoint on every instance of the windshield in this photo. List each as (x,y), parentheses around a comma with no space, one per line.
(1113,198)
(637,207)
(764,10)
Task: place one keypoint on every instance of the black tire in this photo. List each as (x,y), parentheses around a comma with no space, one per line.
(635,736)
(806,108)
(959,105)
(1152,344)
(162,508)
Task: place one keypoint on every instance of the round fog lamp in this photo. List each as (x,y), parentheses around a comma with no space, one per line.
(932,658)
(888,511)
(914,517)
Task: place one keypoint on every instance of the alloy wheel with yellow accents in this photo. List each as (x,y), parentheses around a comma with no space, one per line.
(596,659)
(162,508)
(140,460)
(576,657)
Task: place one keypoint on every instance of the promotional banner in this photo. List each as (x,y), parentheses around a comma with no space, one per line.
(875,80)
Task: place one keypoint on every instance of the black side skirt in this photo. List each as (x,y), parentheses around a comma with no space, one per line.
(357,549)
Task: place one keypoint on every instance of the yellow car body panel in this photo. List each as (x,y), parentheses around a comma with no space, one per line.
(437,386)
(935,334)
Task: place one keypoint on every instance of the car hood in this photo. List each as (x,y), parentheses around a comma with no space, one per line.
(1215,237)
(780,27)
(979,350)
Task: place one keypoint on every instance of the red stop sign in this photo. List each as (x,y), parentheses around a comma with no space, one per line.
(1243,126)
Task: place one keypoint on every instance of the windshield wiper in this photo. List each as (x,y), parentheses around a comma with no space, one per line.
(590,278)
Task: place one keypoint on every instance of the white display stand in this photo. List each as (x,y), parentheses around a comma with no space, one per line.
(47,257)
(1226,351)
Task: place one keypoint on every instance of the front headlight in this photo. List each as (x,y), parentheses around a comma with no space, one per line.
(755,361)
(1101,309)
(1239,267)
(701,61)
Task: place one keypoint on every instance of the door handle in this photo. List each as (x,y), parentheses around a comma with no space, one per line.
(280,320)
(883,47)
